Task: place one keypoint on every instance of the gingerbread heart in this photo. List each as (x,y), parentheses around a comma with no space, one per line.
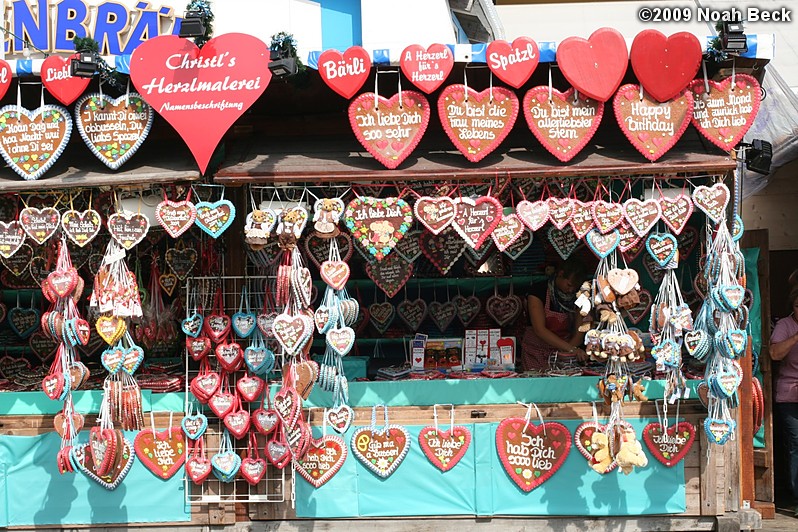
(529,454)
(672,445)
(176,217)
(477,122)
(442,250)
(12,236)
(434,213)
(128,228)
(676,211)
(412,313)
(712,200)
(335,273)
(444,448)
(508,231)
(40,224)
(50,125)
(81,227)
(391,274)
(503,309)
(725,112)
(641,215)
(389,128)
(381,451)
(163,453)
(378,223)
(476,219)
(340,417)
(534,214)
(323,459)
(563,241)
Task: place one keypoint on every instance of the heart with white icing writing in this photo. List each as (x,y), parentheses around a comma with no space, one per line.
(442,250)
(323,459)
(12,236)
(46,130)
(607,215)
(434,213)
(534,214)
(444,448)
(391,273)
(602,244)
(476,219)
(503,309)
(335,273)
(442,314)
(176,217)
(40,224)
(215,217)
(508,231)
(582,218)
(292,331)
(517,440)
(662,247)
(81,227)
(641,215)
(128,228)
(712,200)
(341,340)
(676,211)
(672,445)
(381,315)
(563,241)
(377,224)
(412,313)
(727,111)
(560,211)
(381,451)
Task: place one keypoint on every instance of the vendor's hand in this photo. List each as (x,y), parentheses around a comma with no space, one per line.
(581,355)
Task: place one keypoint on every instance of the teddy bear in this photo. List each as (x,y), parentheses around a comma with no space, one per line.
(630,453)
(637,391)
(600,444)
(612,388)
(593,344)
(610,346)
(630,299)
(289,229)
(327,212)
(257,229)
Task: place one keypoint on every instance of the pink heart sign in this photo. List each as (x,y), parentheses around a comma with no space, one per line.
(564,123)
(513,63)
(427,69)
(475,219)
(201,93)
(477,122)
(389,128)
(58,80)
(652,127)
(725,113)
(345,73)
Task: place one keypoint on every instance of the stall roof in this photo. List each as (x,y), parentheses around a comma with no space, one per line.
(155,163)
(266,161)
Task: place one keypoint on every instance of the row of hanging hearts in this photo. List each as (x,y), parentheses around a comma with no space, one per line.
(112,128)
(564,122)
(126,227)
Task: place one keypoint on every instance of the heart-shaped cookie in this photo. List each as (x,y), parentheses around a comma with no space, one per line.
(323,459)
(176,217)
(381,451)
(128,228)
(672,445)
(522,446)
(727,111)
(377,224)
(39,224)
(444,448)
(476,219)
(45,131)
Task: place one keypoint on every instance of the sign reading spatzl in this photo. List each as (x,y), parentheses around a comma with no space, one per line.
(201,93)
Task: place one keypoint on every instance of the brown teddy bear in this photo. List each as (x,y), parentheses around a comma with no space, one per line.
(327,212)
(290,228)
(600,444)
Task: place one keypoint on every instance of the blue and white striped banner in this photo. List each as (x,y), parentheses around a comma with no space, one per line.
(760,46)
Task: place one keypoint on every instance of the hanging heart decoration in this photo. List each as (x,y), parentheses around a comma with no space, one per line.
(513,63)
(345,73)
(655,271)
(534,214)
(672,445)
(427,68)
(560,211)
(687,241)
(725,112)
(503,309)
(477,122)
(59,81)
(662,248)
(594,66)
(113,128)
(381,451)
(640,311)
(444,448)
(602,244)
(323,459)
(381,315)
(665,66)
(412,313)
(652,127)
(19,263)
(508,231)
(111,480)
(163,453)
(563,122)
(676,211)
(467,308)
(478,257)
(409,248)
(176,217)
(582,218)
(335,273)
(128,228)
(476,219)
(434,213)
(529,455)
(517,248)
(563,241)
(81,227)
(389,128)
(46,130)
(39,224)
(442,250)
(12,236)
(292,331)
(641,215)
(390,274)
(194,426)
(340,417)
(341,339)
(712,200)
(442,314)
(318,248)
(597,455)
(215,217)
(719,430)
(378,223)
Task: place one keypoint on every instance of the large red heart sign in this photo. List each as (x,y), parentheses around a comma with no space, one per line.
(345,73)
(201,93)
(665,65)
(58,80)
(513,63)
(5,78)
(427,69)
(594,66)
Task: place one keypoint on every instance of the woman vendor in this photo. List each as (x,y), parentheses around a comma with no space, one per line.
(784,348)
(554,319)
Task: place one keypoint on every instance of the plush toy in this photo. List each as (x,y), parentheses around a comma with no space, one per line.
(637,391)
(290,228)
(612,389)
(630,453)
(583,299)
(327,212)
(593,343)
(600,444)
(257,230)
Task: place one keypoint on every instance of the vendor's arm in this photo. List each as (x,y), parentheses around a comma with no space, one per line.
(781,341)
(537,316)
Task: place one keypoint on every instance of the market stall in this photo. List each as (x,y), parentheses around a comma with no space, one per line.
(328,319)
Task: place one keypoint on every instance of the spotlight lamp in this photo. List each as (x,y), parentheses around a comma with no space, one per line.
(758,155)
(193,25)
(282,65)
(85,65)
(733,38)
